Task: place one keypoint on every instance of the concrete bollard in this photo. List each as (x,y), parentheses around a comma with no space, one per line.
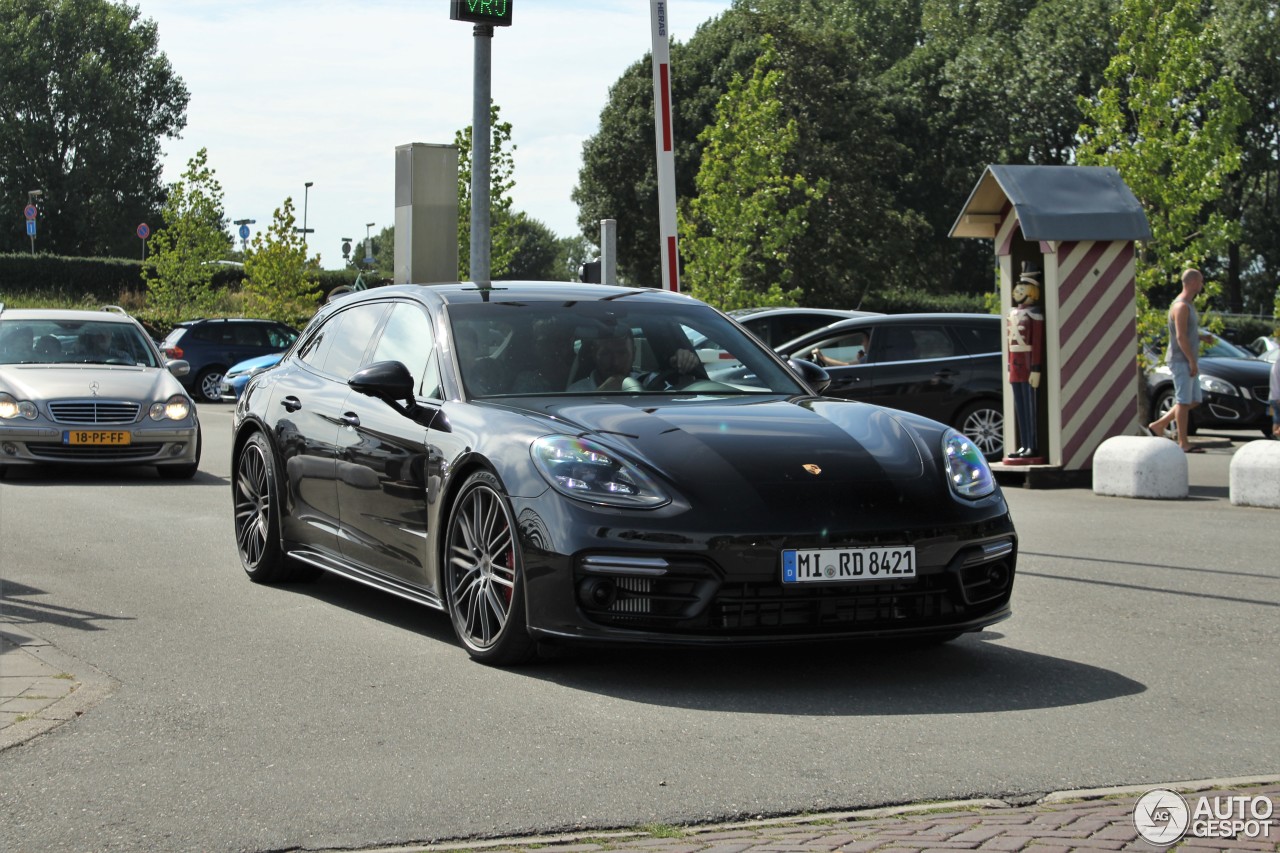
(1128,466)
(1255,475)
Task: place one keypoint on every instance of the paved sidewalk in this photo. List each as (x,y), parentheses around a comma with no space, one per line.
(41,687)
(1090,820)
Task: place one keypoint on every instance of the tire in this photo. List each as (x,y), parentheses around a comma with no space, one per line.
(255,499)
(483,575)
(208,384)
(983,424)
(183,472)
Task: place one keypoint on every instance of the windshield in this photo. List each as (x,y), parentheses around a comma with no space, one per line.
(616,346)
(34,341)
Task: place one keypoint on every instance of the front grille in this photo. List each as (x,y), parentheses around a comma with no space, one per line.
(92,453)
(691,596)
(766,608)
(94,412)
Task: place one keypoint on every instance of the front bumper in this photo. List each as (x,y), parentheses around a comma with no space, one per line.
(47,445)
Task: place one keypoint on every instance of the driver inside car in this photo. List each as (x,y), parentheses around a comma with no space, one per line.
(95,345)
(615,355)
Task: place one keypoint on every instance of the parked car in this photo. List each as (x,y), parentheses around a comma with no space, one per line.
(212,346)
(422,440)
(238,375)
(776,326)
(944,366)
(1263,345)
(1235,384)
(90,388)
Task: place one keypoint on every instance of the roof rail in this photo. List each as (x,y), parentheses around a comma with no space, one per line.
(115,309)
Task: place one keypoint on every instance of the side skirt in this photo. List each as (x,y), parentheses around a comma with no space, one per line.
(372,579)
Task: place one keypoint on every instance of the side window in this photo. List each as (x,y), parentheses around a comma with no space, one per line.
(933,342)
(840,350)
(979,338)
(248,335)
(316,347)
(281,336)
(210,332)
(407,338)
(355,327)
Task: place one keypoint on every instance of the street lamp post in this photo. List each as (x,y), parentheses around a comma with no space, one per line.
(304,230)
(368,243)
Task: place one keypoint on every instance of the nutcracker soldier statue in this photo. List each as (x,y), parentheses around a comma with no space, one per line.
(1026,356)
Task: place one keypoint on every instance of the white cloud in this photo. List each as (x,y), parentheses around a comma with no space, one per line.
(286,91)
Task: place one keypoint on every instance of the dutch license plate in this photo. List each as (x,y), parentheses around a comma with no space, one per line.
(94,436)
(845,565)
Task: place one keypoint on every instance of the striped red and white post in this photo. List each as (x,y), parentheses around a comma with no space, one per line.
(664,137)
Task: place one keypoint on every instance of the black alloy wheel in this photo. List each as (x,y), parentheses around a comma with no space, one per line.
(483,575)
(257,514)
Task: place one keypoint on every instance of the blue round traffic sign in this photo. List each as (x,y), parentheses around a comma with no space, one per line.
(30,211)
(144,231)
(244,232)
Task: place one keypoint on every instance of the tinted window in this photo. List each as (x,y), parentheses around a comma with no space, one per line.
(246,334)
(280,337)
(979,338)
(355,327)
(407,338)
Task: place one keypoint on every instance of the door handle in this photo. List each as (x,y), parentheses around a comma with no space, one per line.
(291,403)
(350,419)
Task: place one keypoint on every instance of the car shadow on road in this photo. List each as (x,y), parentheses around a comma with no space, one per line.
(974,674)
(41,476)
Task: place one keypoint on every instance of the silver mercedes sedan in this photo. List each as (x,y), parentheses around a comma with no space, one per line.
(90,388)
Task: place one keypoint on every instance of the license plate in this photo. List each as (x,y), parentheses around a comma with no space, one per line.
(845,565)
(93,436)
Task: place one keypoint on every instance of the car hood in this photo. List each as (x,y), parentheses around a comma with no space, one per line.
(57,382)
(1251,371)
(774,441)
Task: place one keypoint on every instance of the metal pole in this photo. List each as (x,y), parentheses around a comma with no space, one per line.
(659,16)
(480,154)
(609,251)
(306,196)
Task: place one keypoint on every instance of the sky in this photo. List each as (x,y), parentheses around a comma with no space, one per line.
(285,92)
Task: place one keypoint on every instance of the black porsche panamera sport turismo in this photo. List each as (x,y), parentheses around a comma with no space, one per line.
(552,462)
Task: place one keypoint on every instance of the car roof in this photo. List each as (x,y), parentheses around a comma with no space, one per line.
(899,319)
(744,313)
(66,315)
(505,291)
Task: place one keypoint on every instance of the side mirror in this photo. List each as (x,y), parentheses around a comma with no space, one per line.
(813,375)
(389,381)
(178,367)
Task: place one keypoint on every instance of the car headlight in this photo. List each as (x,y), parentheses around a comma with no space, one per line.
(176,408)
(582,469)
(967,469)
(11,407)
(1214,385)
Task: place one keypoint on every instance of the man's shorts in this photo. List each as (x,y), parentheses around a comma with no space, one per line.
(1186,388)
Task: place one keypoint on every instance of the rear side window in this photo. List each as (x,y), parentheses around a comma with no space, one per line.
(281,337)
(979,338)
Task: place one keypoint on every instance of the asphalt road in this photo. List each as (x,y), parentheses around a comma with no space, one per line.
(1142,650)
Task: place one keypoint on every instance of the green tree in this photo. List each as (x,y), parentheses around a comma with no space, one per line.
(1249,48)
(86,98)
(1167,121)
(502,167)
(535,252)
(281,282)
(180,265)
(737,234)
